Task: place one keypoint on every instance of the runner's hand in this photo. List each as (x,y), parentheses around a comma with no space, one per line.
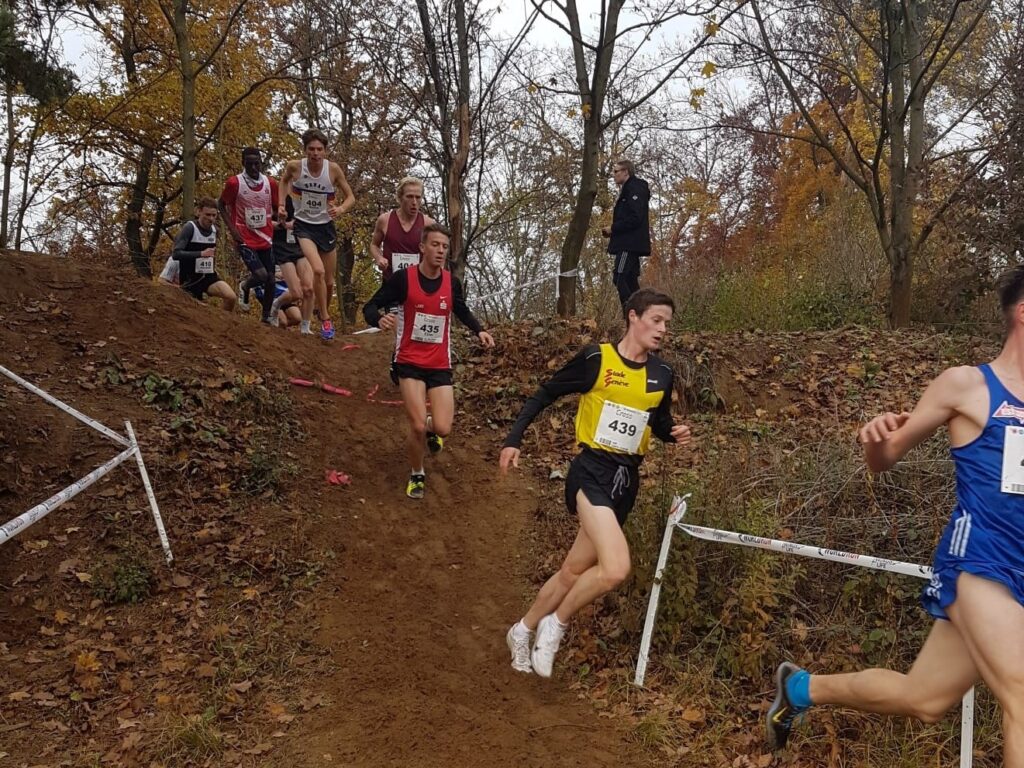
(509,458)
(209,253)
(381,262)
(606,231)
(282,212)
(681,432)
(486,339)
(387,322)
(880,428)
(334,210)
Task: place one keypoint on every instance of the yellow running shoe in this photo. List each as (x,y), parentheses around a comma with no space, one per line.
(417,486)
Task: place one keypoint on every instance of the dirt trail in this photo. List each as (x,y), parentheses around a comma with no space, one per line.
(414,607)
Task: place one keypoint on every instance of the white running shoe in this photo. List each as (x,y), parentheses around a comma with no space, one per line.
(549,637)
(242,303)
(304,328)
(519,646)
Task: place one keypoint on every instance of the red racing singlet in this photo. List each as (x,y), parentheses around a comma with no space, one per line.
(253,209)
(404,245)
(424,321)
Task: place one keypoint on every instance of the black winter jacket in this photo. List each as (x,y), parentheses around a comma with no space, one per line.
(631,227)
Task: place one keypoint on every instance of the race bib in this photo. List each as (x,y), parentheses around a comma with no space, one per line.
(428,328)
(1013,460)
(255,218)
(204,265)
(400,261)
(290,237)
(313,202)
(620,427)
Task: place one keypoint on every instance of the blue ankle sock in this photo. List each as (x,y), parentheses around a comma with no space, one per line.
(798,689)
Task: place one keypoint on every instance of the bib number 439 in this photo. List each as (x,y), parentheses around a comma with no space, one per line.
(620,427)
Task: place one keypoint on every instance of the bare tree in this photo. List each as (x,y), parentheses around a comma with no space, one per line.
(859,82)
(613,62)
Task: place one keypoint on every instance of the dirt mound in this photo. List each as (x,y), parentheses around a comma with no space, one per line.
(303,624)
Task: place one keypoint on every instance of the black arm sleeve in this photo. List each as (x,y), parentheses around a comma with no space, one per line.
(392,293)
(182,241)
(577,376)
(461,309)
(661,419)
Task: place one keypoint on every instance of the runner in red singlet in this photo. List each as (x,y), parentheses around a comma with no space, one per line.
(426,298)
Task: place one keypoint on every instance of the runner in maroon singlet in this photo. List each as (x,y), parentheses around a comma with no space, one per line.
(397,233)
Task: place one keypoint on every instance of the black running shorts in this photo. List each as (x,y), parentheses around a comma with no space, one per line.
(604,481)
(324,236)
(199,285)
(286,253)
(432,377)
(256,260)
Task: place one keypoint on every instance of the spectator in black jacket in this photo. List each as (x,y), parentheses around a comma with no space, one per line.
(630,233)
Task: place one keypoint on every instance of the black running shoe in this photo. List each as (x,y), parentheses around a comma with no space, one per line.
(435,443)
(782,713)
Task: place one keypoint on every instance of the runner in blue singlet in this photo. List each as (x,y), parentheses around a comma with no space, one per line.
(977,591)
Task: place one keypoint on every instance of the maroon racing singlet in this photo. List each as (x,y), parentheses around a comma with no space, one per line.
(401,244)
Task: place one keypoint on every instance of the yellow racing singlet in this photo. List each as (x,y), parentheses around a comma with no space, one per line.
(614,415)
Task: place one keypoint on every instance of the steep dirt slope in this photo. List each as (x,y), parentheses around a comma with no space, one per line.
(392,655)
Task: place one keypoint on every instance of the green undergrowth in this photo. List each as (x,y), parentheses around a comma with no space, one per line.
(729,614)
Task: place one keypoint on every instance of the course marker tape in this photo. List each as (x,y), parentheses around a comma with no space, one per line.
(675,520)
(13,527)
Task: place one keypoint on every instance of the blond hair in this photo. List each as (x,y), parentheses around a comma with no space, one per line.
(406,182)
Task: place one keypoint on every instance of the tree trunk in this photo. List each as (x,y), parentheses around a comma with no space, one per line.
(900,213)
(136,205)
(592,91)
(5,203)
(346,291)
(457,168)
(576,235)
(188,108)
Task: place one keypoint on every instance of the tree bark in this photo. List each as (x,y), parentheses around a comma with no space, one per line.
(133,222)
(5,203)
(592,91)
(187,66)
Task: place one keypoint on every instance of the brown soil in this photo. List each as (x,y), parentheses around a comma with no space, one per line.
(404,624)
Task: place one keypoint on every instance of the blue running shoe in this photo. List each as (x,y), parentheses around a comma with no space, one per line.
(782,713)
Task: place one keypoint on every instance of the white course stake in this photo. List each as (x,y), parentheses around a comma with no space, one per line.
(149,494)
(675,520)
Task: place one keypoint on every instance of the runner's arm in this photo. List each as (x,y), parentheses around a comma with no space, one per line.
(461,310)
(181,243)
(392,293)
(661,419)
(377,241)
(284,188)
(341,185)
(577,376)
(889,437)
(226,206)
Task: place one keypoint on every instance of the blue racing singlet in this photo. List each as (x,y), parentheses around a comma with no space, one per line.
(985,535)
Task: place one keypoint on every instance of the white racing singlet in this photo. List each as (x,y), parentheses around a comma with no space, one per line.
(312,193)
